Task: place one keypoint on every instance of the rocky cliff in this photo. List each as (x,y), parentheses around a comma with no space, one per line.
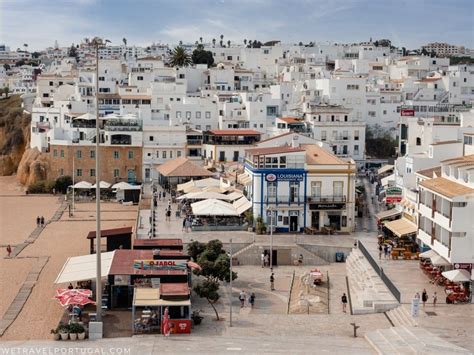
(14,134)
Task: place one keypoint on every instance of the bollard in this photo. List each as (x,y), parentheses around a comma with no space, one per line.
(355,329)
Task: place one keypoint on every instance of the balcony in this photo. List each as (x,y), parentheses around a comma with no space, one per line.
(284,200)
(194,141)
(327,199)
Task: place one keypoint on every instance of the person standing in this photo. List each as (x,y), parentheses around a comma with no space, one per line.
(38,221)
(9,250)
(184,229)
(424,297)
(300,260)
(262,259)
(417,295)
(188,225)
(159,195)
(435,298)
(242,298)
(164,194)
(385,251)
(272,282)
(252,299)
(267,260)
(42,221)
(380,251)
(344,302)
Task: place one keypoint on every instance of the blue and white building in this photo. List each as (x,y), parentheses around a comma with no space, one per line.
(306,186)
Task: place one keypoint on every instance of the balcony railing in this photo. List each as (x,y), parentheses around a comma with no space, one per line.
(285,200)
(326,199)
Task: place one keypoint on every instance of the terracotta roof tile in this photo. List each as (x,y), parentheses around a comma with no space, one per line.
(446,187)
(182,167)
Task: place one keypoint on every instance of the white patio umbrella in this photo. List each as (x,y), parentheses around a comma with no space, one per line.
(439,261)
(82,185)
(102,184)
(457,275)
(428,254)
(213,207)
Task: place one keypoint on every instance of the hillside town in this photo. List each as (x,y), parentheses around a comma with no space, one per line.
(242,187)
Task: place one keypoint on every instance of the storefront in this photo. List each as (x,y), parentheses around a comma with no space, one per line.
(328,216)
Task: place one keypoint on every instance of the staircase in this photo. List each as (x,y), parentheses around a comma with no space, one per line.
(367,290)
(410,340)
(400,317)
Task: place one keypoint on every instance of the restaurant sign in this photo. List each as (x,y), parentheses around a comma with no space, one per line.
(159,264)
(178,326)
(284,177)
(327,206)
(393,195)
(463,266)
(407,112)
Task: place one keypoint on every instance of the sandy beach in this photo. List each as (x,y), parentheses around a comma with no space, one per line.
(59,240)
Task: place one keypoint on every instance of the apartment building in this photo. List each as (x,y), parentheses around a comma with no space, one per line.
(443,49)
(222,145)
(305,185)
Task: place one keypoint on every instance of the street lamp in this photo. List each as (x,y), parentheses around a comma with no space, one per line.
(230,285)
(270,212)
(74,152)
(97,43)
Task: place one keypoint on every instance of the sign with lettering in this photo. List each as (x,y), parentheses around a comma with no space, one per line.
(393,191)
(407,112)
(159,264)
(284,177)
(179,326)
(327,206)
(463,266)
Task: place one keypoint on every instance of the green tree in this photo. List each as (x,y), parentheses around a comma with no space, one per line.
(215,267)
(73,52)
(379,143)
(201,56)
(179,57)
(62,183)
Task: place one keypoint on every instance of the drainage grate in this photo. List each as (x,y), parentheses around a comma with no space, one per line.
(428,313)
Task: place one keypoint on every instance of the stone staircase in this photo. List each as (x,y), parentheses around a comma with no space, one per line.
(410,340)
(367,291)
(400,317)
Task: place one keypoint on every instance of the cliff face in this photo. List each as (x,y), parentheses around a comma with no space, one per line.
(14,134)
(33,167)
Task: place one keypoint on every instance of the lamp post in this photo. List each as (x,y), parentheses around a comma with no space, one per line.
(74,152)
(97,43)
(230,285)
(270,212)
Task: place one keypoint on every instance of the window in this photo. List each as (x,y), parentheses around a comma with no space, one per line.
(171,154)
(61,172)
(178,153)
(101,78)
(315,189)
(188,115)
(323,135)
(208,114)
(178,114)
(116,173)
(356,135)
(116,155)
(78,172)
(271,189)
(92,154)
(139,77)
(418,141)
(157,153)
(198,127)
(371,113)
(62,153)
(92,172)
(344,221)
(78,154)
(151,138)
(356,149)
(130,154)
(338,188)
(55,153)
(198,114)
(208,127)
(163,154)
(352,87)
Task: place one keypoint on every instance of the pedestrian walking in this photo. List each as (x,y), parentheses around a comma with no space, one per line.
(42,221)
(380,251)
(435,298)
(168,215)
(344,302)
(38,220)
(9,250)
(242,298)
(164,194)
(300,260)
(424,297)
(262,259)
(252,299)
(267,260)
(188,225)
(159,196)
(184,229)
(385,251)
(272,282)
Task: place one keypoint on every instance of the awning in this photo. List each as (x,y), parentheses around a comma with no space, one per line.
(439,261)
(242,205)
(173,303)
(213,207)
(234,195)
(387,214)
(83,185)
(126,186)
(457,275)
(146,297)
(385,168)
(401,227)
(386,181)
(428,254)
(81,268)
(204,195)
(102,184)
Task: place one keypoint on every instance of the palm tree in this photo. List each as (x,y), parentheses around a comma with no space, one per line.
(124,40)
(179,57)
(213,41)
(200,39)
(228,43)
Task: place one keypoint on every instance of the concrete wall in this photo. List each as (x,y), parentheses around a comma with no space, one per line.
(326,252)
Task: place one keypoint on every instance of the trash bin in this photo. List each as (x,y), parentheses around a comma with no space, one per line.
(339,257)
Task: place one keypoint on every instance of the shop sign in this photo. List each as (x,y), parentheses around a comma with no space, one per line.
(284,177)
(179,326)
(393,191)
(294,213)
(393,199)
(463,266)
(407,112)
(159,264)
(327,206)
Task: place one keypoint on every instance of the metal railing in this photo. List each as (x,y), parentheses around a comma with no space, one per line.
(284,200)
(386,280)
(326,198)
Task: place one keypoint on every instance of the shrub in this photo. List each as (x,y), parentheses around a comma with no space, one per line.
(76,328)
(62,183)
(38,187)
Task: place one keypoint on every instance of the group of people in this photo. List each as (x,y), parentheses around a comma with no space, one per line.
(265,259)
(40,221)
(243,297)
(385,249)
(424,297)
(187,224)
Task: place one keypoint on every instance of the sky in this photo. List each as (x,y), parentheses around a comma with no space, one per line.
(408,23)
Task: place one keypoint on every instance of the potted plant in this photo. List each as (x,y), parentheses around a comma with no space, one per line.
(72,331)
(79,330)
(249,219)
(261,228)
(196,317)
(55,333)
(63,329)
